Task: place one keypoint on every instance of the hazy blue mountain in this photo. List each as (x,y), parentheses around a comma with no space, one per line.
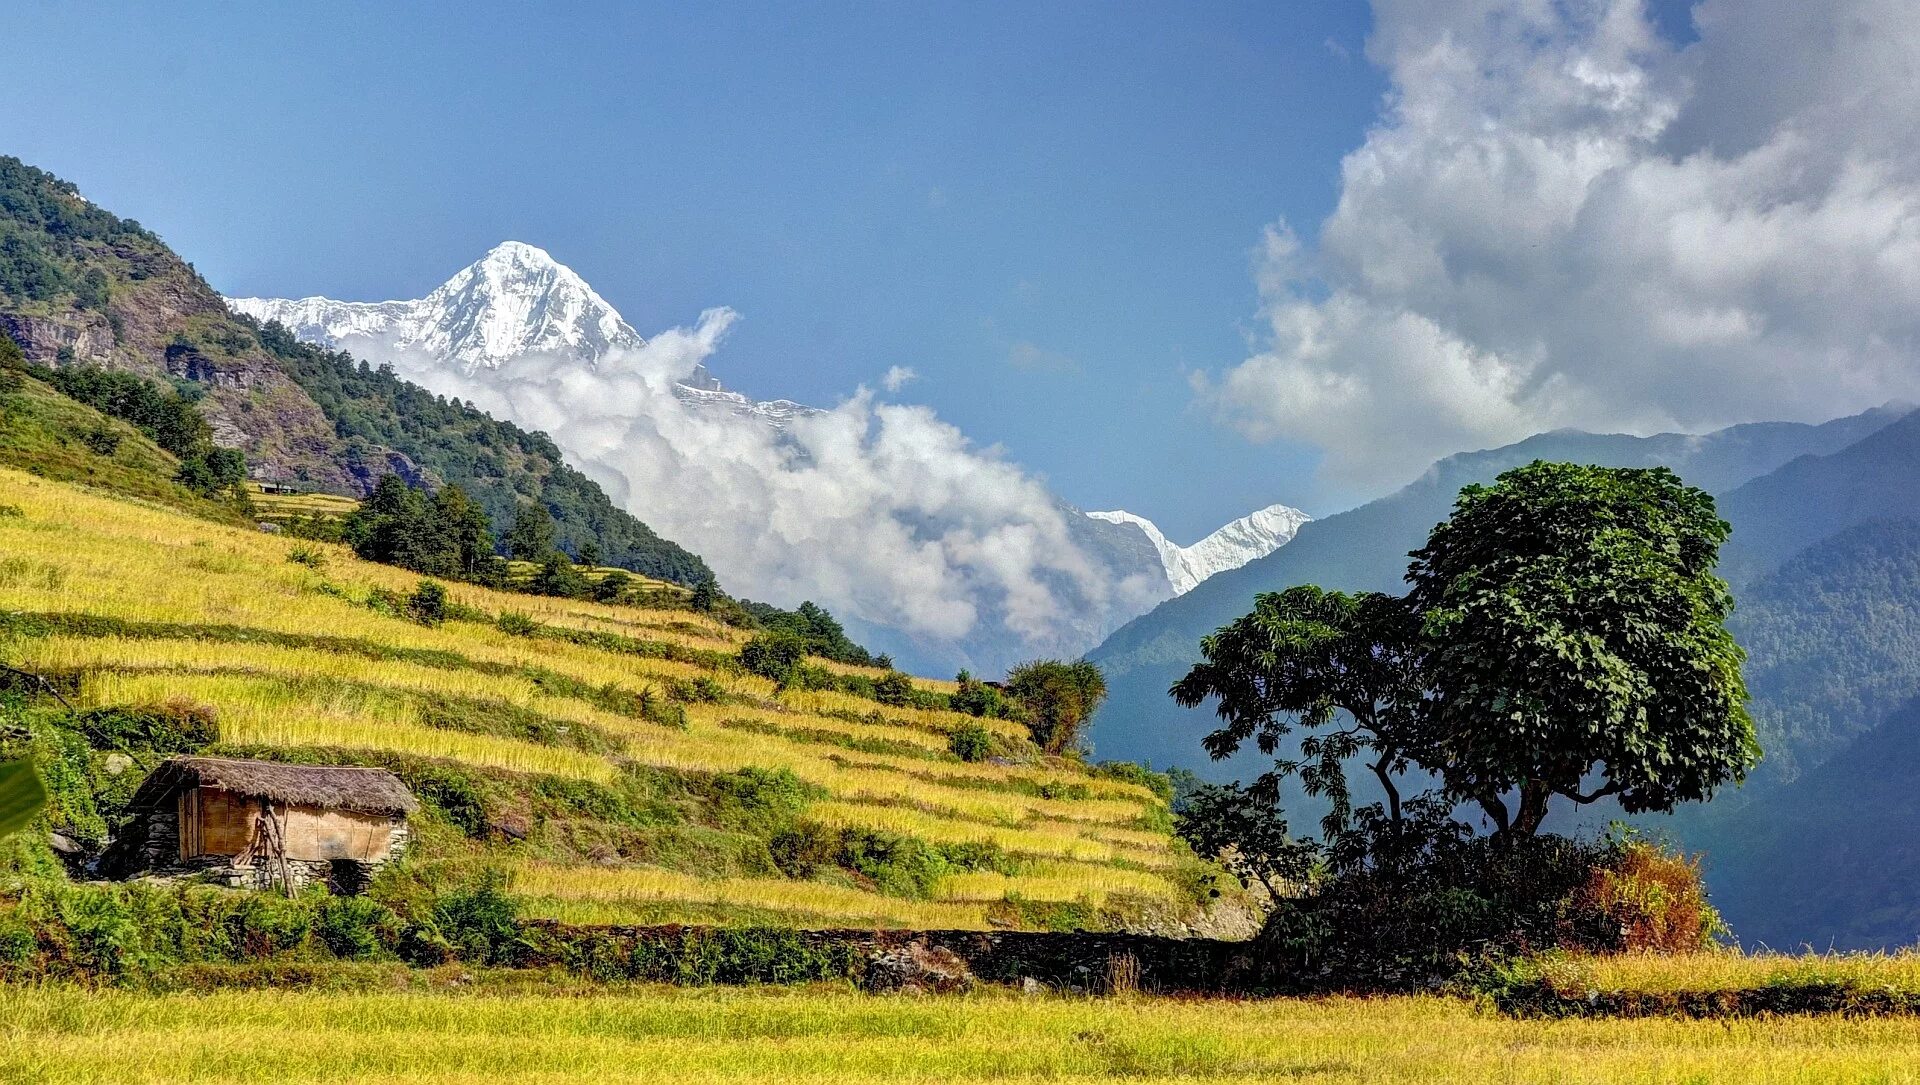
(1365,549)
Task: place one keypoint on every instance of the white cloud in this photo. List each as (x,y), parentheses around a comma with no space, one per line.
(898,377)
(879,511)
(1561,219)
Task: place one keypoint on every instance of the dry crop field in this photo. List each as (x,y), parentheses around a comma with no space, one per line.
(286,642)
(65,1036)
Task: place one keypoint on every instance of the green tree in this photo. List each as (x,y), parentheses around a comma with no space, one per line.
(1346,668)
(1575,630)
(559,576)
(1564,626)
(706,595)
(1059,698)
(774,655)
(531,536)
(1246,833)
(466,534)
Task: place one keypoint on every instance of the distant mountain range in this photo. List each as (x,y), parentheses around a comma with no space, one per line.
(517,303)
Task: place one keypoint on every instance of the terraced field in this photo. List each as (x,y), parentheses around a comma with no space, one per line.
(301,651)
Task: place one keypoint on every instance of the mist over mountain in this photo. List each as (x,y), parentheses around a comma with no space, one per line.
(941,553)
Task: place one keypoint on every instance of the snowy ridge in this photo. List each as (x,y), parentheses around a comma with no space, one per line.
(1252,536)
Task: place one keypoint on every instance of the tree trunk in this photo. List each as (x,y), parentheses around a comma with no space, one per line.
(1534,797)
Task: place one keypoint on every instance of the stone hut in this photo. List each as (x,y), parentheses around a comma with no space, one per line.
(261,824)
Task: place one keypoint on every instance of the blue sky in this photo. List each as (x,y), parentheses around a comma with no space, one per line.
(1048,211)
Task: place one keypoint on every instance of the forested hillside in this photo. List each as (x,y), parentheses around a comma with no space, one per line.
(81,287)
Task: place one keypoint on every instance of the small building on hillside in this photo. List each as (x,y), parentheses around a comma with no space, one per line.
(261,824)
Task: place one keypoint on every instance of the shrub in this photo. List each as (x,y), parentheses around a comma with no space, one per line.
(971,743)
(515,624)
(310,556)
(428,603)
(178,725)
(893,688)
(1654,898)
(101,440)
(609,588)
(355,928)
(773,656)
(481,922)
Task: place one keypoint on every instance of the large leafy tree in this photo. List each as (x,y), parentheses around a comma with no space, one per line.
(1577,646)
(1564,637)
(1346,668)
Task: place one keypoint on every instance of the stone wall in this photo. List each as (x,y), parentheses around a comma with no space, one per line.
(930,960)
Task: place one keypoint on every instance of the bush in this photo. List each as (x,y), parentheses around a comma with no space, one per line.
(355,928)
(971,743)
(609,588)
(428,603)
(310,556)
(1654,898)
(515,624)
(174,726)
(773,656)
(481,922)
(1433,907)
(893,688)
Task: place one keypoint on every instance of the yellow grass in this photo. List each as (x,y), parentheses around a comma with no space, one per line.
(1052,881)
(799,899)
(1729,970)
(664,1036)
(255,710)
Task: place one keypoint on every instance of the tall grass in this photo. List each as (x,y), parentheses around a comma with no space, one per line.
(66,1036)
(797,898)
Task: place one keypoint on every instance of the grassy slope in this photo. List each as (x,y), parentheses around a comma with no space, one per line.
(65,1036)
(140,605)
(46,433)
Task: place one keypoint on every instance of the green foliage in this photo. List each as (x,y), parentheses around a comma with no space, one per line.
(976,698)
(428,603)
(1455,901)
(971,743)
(819,632)
(514,623)
(480,922)
(893,688)
(558,576)
(774,656)
(612,587)
(497,464)
(706,595)
(895,864)
(531,536)
(1302,658)
(1574,626)
(1059,699)
(167,417)
(1247,835)
(22,796)
(1132,772)
(1565,622)
(179,726)
(442,535)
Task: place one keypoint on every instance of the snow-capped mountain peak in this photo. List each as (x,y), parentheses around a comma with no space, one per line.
(515,300)
(1254,535)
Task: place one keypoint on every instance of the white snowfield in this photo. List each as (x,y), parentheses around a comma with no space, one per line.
(1252,536)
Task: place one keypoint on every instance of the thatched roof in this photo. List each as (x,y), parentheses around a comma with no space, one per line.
(370,791)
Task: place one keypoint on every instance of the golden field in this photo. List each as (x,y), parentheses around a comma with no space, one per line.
(65,1036)
(286,642)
